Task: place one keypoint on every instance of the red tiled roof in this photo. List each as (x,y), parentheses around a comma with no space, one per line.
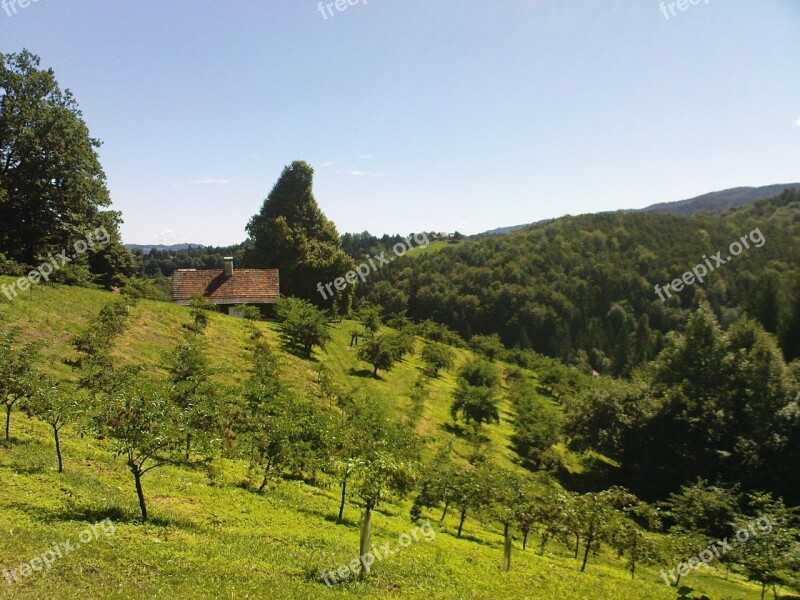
(247,286)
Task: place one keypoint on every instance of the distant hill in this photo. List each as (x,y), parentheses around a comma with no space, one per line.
(503,230)
(170,248)
(722,200)
(714,202)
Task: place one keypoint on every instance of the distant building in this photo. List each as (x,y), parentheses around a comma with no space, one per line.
(227,288)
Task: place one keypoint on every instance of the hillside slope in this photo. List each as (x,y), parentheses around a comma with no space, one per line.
(721,200)
(552,287)
(212,536)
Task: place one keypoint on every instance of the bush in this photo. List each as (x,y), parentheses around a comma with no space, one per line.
(302,324)
(437,357)
(381,351)
(11,267)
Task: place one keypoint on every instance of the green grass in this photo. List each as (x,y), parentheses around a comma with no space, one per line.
(211,536)
(432,248)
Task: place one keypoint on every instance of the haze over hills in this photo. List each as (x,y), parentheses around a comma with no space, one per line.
(722,200)
(169,247)
(713,202)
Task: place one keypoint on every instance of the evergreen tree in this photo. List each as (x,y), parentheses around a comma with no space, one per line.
(291,233)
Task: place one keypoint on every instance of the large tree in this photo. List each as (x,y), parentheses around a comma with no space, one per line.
(52,186)
(291,233)
(475,396)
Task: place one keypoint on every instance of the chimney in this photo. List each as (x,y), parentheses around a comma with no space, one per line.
(228,266)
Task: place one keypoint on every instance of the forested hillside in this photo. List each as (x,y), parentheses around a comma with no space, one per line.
(582,289)
(720,201)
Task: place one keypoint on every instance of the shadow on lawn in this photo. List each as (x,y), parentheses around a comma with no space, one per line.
(117,514)
(365,373)
(91,514)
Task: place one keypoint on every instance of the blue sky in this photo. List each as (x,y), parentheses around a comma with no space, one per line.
(421,114)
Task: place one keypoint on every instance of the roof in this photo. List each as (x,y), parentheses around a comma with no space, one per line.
(247,286)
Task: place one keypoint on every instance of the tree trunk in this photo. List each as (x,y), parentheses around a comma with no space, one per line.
(577,544)
(58,450)
(507,548)
(8,422)
(545,537)
(461,523)
(266,475)
(375,372)
(444,512)
(524,539)
(344,495)
(137,477)
(586,555)
(366,538)
(763,589)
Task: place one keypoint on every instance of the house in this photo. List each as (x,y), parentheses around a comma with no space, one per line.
(227,287)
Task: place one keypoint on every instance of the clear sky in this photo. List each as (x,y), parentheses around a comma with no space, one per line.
(421,114)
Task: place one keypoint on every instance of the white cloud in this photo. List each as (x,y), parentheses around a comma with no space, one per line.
(360,173)
(364,156)
(165,237)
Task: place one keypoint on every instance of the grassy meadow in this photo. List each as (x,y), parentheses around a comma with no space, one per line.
(211,535)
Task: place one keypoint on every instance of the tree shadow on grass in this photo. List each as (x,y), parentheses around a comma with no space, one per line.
(333,519)
(118,514)
(453,429)
(366,373)
(469,537)
(597,476)
(17,441)
(300,353)
(465,433)
(90,514)
(331,516)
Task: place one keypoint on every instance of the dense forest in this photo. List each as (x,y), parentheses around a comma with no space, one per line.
(582,289)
